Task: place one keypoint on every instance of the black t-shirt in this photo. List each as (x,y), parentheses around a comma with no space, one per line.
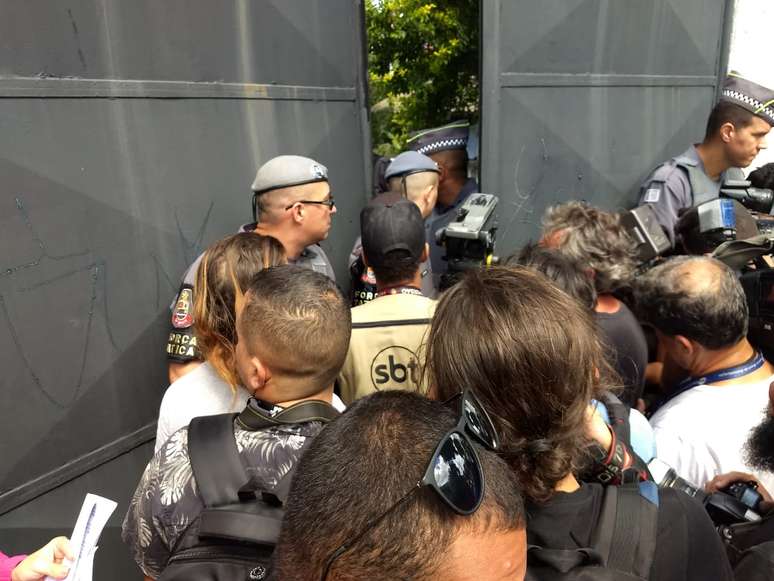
(687,546)
(626,350)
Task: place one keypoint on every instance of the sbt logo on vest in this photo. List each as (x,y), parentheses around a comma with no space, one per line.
(395,366)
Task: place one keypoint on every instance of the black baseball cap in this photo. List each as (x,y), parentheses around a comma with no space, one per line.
(391,222)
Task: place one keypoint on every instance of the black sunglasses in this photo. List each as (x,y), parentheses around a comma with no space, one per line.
(454,471)
(329,202)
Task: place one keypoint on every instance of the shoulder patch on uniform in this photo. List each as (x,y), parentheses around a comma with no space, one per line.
(182,315)
(652,195)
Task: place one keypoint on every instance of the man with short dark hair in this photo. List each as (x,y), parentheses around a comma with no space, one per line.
(388,332)
(292,203)
(357,490)
(736,132)
(699,311)
(293,329)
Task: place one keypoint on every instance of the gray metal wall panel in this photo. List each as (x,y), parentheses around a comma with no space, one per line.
(105,204)
(292,42)
(111,185)
(582,98)
(34,524)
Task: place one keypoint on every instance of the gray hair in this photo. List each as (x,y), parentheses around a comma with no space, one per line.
(595,239)
(697,297)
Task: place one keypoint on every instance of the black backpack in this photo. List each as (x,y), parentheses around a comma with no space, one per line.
(235,535)
(742,538)
(622,545)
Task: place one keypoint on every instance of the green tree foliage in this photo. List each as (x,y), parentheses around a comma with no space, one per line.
(423,66)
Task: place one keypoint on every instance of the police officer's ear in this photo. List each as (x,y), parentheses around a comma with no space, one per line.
(425,253)
(297,213)
(363,257)
(727,132)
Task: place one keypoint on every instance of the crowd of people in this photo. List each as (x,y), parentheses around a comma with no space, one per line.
(503,428)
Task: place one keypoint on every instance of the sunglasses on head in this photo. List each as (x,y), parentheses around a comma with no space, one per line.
(454,471)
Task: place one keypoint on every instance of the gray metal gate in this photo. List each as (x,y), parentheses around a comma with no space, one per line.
(129,135)
(582,98)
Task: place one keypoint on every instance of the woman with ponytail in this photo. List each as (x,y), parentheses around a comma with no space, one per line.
(213,387)
(531,355)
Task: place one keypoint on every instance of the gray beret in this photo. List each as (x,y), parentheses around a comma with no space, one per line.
(410,162)
(285,171)
(757,99)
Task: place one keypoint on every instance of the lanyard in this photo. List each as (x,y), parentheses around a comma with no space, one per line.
(400,290)
(752,364)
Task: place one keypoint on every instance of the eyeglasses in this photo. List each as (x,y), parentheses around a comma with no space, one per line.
(329,202)
(454,471)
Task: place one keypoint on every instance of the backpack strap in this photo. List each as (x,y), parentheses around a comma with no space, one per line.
(253,418)
(215,460)
(282,490)
(626,531)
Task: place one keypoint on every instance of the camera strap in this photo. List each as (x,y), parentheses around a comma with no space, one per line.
(753,364)
(257,417)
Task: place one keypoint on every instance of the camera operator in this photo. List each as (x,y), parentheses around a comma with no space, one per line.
(736,132)
(699,311)
(597,240)
(388,332)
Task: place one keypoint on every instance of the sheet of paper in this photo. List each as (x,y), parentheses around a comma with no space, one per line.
(93,517)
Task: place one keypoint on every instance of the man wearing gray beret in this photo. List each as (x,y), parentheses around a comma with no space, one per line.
(736,131)
(292,203)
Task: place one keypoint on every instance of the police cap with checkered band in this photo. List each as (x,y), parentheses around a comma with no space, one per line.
(753,97)
(285,171)
(451,136)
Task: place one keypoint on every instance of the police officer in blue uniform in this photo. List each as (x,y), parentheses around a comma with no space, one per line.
(447,147)
(292,203)
(736,132)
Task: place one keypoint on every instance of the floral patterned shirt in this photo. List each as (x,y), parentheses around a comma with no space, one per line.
(166,501)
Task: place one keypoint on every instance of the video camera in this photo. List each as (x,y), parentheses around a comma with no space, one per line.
(727,229)
(469,239)
(755,199)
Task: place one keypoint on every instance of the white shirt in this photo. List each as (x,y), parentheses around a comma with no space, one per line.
(702,432)
(202,392)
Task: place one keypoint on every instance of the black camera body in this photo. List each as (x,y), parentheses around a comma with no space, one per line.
(469,240)
(755,199)
(739,502)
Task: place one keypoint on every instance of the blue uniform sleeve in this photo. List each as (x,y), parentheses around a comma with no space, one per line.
(667,196)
